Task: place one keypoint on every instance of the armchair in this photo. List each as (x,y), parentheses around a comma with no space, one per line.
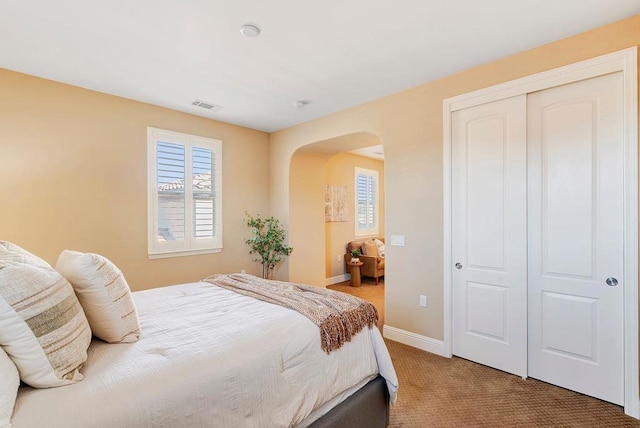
(373,264)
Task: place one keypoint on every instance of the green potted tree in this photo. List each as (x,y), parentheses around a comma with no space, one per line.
(266,242)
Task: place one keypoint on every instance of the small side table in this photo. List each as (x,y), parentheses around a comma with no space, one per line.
(355,274)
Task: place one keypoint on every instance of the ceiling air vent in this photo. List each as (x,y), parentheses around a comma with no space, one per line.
(208,106)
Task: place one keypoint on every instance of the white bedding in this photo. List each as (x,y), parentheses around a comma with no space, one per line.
(209,357)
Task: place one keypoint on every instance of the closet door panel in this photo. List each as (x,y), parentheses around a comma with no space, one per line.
(576,181)
(489,234)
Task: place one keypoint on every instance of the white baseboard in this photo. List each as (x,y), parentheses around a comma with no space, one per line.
(416,340)
(338,279)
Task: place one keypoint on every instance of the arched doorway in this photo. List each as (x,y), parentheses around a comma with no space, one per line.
(318,245)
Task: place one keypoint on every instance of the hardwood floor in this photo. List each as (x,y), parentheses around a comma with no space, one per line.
(369,291)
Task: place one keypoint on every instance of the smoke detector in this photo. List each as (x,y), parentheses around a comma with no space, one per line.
(250,30)
(208,106)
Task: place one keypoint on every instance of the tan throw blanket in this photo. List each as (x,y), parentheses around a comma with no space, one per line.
(338,315)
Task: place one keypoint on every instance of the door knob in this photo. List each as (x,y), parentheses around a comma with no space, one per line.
(458,265)
(612,282)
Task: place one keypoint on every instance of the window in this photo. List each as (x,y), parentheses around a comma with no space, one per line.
(366,195)
(185,197)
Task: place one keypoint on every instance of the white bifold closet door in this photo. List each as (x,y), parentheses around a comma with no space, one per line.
(576,184)
(489,236)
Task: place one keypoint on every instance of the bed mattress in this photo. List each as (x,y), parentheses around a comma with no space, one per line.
(209,357)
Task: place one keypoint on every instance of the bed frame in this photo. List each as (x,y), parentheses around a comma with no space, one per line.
(366,408)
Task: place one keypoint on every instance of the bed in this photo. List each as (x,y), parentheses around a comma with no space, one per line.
(210,357)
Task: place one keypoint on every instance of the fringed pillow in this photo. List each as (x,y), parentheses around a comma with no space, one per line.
(103,293)
(42,326)
(9,390)
(13,253)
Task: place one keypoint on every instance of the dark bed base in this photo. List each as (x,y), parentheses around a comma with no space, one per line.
(366,408)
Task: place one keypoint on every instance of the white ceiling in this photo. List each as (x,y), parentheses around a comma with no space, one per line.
(334,53)
(373,152)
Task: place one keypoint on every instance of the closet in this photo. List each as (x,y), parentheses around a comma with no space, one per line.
(537,234)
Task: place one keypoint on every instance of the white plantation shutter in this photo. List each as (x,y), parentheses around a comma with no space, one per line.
(361,201)
(366,196)
(170,170)
(203,195)
(185,201)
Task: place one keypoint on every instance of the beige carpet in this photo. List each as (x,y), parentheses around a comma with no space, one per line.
(443,392)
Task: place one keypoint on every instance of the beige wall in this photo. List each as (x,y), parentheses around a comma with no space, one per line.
(340,169)
(73,168)
(409,124)
(306,262)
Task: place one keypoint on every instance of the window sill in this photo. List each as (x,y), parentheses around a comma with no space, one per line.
(369,234)
(184,253)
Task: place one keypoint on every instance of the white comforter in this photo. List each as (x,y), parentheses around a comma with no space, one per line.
(209,357)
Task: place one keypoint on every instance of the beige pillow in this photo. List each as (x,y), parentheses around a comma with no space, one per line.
(8,392)
(42,326)
(370,248)
(13,253)
(104,295)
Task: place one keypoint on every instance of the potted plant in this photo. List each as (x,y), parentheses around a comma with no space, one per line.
(355,255)
(267,242)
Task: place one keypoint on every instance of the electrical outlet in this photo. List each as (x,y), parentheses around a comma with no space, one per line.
(423,300)
(339,257)
(243,271)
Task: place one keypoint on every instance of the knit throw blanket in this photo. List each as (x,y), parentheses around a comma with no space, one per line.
(339,316)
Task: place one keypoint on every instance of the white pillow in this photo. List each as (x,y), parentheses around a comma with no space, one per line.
(12,252)
(42,326)
(380,246)
(9,390)
(104,295)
